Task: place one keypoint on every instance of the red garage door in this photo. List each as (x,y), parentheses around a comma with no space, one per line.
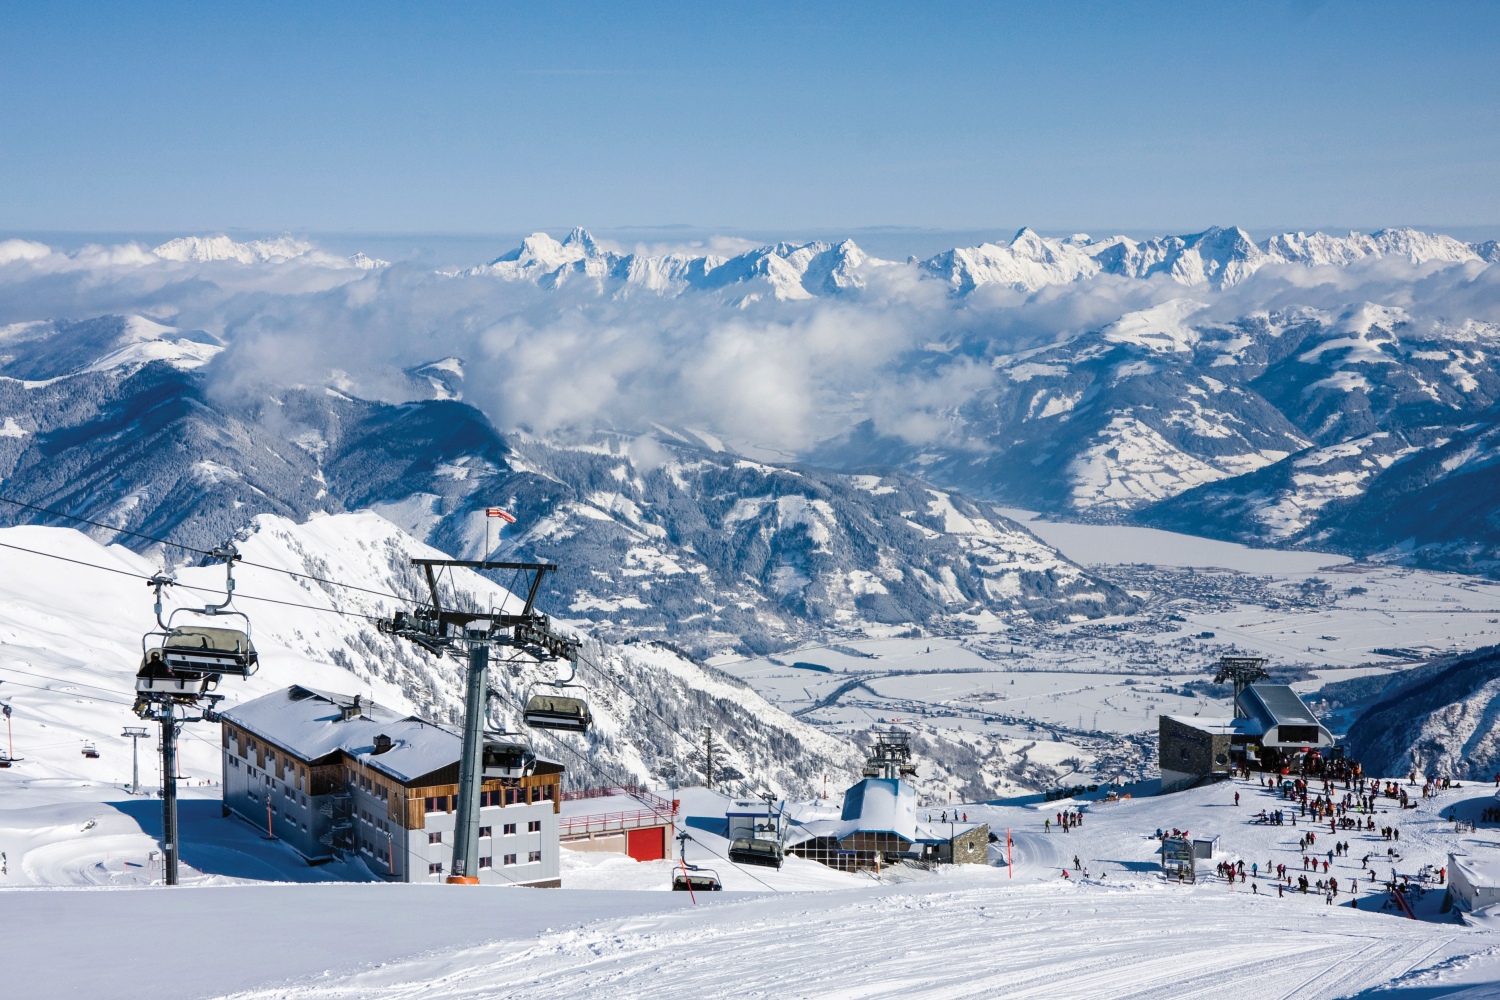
(649,844)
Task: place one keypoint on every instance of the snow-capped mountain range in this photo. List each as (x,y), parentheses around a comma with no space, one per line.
(1214,258)
(1328,391)
(661,537)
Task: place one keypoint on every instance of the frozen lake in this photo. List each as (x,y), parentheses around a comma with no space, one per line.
(1093,544)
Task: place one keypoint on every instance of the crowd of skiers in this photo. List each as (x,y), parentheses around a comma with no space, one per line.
(1066,820)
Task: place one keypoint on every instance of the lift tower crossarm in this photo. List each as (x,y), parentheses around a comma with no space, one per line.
(538,569)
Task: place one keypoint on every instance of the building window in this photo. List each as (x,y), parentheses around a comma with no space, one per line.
(534,857)
(486,862)
(437,803)
(510,859)
(484,831)
(535,826)
(436,868)
(510,828)
(434,838)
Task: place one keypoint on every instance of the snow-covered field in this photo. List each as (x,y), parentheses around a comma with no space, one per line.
(83,918)
(958,932)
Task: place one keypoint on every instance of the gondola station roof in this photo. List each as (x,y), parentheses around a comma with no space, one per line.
(1271,714)
(316,726)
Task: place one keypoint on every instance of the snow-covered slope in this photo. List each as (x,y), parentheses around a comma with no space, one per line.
(1441,718)
(70,644)
(1120,933)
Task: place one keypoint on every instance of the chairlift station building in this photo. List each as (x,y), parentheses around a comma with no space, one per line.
(331,774)
(1271,726)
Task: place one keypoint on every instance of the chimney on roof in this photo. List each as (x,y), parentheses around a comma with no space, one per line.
(382,743)
(351,711)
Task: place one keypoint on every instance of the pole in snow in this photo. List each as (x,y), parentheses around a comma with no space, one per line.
(1010,869)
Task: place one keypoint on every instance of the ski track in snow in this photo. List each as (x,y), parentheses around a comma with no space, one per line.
(1026,940)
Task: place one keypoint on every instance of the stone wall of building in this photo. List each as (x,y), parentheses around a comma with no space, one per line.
(972,847)
(1188,754)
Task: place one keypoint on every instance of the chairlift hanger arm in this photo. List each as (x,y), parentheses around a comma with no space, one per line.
(538,570)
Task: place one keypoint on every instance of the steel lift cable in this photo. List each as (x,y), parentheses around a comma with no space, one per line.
(204,552)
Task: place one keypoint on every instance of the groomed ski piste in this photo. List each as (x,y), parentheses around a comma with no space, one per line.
(80,915)
(84,921)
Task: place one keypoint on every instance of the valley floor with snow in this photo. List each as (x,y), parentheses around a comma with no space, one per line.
(1082,700)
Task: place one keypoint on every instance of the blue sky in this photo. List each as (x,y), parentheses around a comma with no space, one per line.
(484,118)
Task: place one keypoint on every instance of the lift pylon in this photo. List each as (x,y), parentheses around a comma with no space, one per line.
(441,630)
(175,679)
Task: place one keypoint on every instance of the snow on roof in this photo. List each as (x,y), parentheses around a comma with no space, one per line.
(1480,873)
(312,724)
(940,833)
(800,833)
(881,805)
(1220,725)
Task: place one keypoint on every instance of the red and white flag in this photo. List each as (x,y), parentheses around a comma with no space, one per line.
(504,515)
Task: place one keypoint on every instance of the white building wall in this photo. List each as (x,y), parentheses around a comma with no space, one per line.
(522,844)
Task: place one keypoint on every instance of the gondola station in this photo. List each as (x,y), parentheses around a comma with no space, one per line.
(335,775)
(1272,730)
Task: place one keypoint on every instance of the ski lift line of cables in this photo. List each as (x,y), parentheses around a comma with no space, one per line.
(71,684)
(205,552)
(52,690)
(187,586)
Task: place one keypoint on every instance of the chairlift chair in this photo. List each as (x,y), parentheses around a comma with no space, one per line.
(504,759)
(692,878)
(209,650)
(695,879)
(755,851)
(558,705)
(156,680)
(90,751)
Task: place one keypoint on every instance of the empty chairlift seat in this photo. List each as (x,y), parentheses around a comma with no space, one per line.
(557,711)
(202,649)
(755,851)
(695,879)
